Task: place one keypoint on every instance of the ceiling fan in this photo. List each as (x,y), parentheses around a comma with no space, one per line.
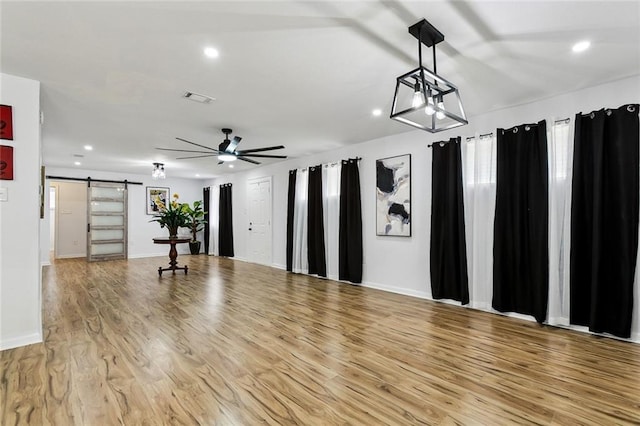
(227,150)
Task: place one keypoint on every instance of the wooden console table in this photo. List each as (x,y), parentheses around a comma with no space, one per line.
(173,253)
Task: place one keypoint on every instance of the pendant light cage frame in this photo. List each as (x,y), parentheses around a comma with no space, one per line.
(427,90)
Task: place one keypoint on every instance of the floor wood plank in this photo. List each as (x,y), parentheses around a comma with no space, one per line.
(236,343)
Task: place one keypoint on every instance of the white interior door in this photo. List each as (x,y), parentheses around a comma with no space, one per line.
(259,226)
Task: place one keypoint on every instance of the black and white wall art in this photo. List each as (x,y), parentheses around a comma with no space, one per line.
(393,196)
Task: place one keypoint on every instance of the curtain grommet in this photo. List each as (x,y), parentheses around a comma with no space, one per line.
(608,112)
(631,108)
(592,115)
(527,128)
(515,130)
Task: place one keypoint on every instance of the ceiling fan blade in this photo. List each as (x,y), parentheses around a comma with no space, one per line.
(201,146)
(233,144)
(248,160)
(220,162)
(196,156)
(268,148)
(182,150)
(262,155)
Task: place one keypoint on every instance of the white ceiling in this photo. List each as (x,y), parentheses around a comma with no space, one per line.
(302,74)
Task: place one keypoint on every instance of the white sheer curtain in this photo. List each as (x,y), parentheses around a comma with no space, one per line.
(331,211)
(300,261)
(560,148)
(479,186)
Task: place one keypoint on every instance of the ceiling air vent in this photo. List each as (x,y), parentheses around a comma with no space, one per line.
(196,97)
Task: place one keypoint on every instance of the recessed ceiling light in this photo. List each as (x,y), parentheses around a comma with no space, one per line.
(197,175)
(231,166)
(581,46)
(77,163)
(211,52)
(376,112)
(88,147)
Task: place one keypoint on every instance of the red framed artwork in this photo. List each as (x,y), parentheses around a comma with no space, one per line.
(6,162)
(6,122)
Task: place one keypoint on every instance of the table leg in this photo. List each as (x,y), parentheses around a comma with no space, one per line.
(173,254)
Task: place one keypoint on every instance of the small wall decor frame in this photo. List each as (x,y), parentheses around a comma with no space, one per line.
(6,122)
(6,162)
(154,193)
(393,196)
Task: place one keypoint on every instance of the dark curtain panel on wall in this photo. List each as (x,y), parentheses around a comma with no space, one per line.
(521,242)
(448,248)
(315,224)
(225,227)
(206,193)
(604,219)
(291,203)
(350,223)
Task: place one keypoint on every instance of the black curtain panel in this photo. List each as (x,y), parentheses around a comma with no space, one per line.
(315,224)
(521,242)
(206,192)
(225,227)
(449,278)
(291,203)
(604,220)
(350,223)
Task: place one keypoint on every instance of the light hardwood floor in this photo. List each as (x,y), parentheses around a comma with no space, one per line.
(241,344)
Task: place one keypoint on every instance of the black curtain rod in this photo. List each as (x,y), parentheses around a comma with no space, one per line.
(442,143)
(483,135)
(89,179)
(326,164)
(564,120)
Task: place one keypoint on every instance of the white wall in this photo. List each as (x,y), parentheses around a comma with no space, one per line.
(20,302)
(141,231)
(409,256)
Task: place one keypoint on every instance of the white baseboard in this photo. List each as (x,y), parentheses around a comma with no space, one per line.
(143,255)
(403,291)
(70,256)
(15,342)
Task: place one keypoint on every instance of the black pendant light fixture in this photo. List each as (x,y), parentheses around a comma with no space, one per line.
(158,171)
(422,98)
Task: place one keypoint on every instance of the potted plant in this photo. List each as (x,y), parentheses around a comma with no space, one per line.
(196,223)
(172,215)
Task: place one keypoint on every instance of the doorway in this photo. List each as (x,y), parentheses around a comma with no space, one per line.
(259,212)
(52,221)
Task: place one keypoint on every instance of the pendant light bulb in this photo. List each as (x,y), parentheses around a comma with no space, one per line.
(440,114)
(429,109)
(418,97)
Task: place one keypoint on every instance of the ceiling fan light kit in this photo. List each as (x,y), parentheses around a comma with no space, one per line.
(422,98)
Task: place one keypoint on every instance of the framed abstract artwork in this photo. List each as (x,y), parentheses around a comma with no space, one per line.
(153,195)
(393,196)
